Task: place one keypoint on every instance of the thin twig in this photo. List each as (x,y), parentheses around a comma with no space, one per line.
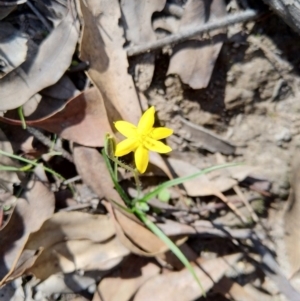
(46,141)
(247,15)
(39,15)
(238,191)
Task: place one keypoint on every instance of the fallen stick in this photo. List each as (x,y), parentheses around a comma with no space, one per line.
(244,16)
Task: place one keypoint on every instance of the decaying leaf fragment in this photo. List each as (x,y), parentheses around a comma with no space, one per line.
(194,60)
(180,286)
(34,207)
(123,283)
(71,241)
(10,40)
(82,119)
(41,69)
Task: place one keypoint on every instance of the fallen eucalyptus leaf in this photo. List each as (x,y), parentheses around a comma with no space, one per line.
(41,69)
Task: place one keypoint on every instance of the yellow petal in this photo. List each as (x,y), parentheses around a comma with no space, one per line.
(127,129)
(141,158)
(156,146)
(126,146)
(146,122)
(161,133)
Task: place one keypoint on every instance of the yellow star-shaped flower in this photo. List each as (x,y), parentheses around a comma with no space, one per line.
(141,139)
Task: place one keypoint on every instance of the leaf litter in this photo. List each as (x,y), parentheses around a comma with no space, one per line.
(54,242)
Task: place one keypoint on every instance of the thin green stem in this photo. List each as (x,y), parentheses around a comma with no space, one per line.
(21,115)
(116,183)
(32,163)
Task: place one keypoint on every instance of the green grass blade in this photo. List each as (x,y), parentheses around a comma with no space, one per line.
(181,180)
(31,162)
(118,187)
(12,168)
(176,251)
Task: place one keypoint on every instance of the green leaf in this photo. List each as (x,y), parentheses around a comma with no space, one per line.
(164,195)
(181,180)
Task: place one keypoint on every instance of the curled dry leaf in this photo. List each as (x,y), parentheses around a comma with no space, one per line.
(122,284)
(71,226)
(62,235)
(34,207)
(83,119)
(41,69)
(102,46)
(69,256)
(181,286)
(194,60)
(135,237)
(10,40)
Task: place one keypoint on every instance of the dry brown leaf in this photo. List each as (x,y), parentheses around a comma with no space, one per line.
(71,226)
(25,262)
(92,168)
(121,285)
(138,17)
(69,256)
(181,286)
(60,227)
(62,235)
(194,60)
(10,40)
(42,69)
(34,207)
(102,46)
(136,237)
(83,119)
